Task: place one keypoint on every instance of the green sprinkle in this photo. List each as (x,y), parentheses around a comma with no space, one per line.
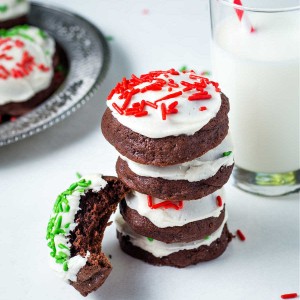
(67,208)
(67,193)
(109,38)
(73,186)
(78,175)
(183,68)
(150,239)
(206,237)
(67,225)
(81,180)
(3,8)
(62,254)
(60,208)
(205,73)
(65,266)
(58,222)
(58,231)
(52,254)
(227,153)
(42,34)
(62,246)
(60,260)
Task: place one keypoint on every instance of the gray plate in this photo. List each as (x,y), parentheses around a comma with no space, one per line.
(88,56)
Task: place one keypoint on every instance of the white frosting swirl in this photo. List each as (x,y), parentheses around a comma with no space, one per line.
(10,9)
(198,169)
(187,121)
(192,211)
(40,47)
(77,262)
(160,249)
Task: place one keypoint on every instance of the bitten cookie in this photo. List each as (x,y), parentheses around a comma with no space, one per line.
(13,13)
(75,230)
(165,117)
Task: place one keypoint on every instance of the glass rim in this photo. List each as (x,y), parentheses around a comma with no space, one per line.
(255,9)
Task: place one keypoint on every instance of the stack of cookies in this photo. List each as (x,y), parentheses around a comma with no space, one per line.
(171,130)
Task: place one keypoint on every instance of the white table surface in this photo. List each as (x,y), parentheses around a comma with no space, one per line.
(32,172)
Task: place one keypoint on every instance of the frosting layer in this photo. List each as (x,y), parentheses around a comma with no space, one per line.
(26,66)
(191,211)
(186,117)
(10,9)
(62,221)
(198,169)
(160,249)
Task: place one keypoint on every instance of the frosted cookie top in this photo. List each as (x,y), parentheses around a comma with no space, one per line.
(10,9)
(62,222)
(26,66)
(165,103)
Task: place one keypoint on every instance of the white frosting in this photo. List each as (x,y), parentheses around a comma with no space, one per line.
(77,262)
(160,249)
(10,9)
(198,169)
(41,48)
(192,211)
(187,121)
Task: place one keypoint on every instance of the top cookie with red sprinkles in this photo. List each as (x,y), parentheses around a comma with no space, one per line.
(165,103)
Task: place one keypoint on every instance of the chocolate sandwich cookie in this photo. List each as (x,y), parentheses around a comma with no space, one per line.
(173,189)
(176,234)
(178,255)
(33,68)
(165,117)
(13,13)
(75,230)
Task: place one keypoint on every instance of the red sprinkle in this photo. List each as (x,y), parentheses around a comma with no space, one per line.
(165,204)
(173,105)
(163,111)
(289,296)
(219,201)
(141,114)
(202,108)
(170,96)
(241,235)
(151,104)
(199,96)
(117,108)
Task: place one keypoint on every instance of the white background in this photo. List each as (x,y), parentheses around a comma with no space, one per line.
(34,171)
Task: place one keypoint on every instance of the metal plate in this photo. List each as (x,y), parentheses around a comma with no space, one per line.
(88,56)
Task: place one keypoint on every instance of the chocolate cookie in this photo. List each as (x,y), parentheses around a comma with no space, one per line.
(17,109)
(169,150)
(172,189)
(75,240)
(177,234)
(182,258)
(13,22)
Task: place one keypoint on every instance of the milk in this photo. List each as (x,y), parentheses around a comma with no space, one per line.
(259,72)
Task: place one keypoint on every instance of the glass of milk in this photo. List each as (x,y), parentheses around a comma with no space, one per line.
(255,57)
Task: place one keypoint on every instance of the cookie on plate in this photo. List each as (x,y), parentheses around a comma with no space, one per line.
(13,13)
(28,69)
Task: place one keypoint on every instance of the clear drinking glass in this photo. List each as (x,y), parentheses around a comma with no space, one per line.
(255,52)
